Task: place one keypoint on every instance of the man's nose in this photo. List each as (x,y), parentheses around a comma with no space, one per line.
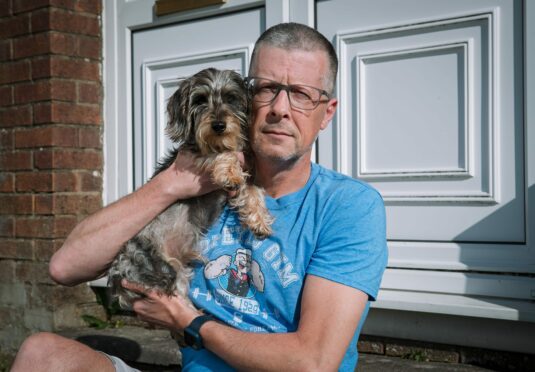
(281,103)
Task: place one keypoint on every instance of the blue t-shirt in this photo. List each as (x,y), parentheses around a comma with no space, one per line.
(334,228)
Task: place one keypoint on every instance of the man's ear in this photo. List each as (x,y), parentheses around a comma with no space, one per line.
(330,110)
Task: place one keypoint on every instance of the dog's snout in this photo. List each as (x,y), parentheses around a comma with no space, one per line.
(219,126)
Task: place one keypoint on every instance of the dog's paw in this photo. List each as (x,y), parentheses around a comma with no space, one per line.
(262,231)
(227,172)
(253,212)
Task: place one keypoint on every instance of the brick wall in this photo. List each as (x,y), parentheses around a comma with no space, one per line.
(50,155)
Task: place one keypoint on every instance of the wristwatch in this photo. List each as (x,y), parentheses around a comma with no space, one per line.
(192,337)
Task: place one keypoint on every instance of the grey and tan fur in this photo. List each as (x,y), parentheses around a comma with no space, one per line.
(208,115)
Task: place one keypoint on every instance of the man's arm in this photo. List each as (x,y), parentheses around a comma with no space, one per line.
(330,314)
(93,244)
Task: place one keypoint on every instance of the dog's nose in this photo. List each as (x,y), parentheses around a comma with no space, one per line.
(219,126)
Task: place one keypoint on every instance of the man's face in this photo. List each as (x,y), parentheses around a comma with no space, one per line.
(278,131)
(242,262)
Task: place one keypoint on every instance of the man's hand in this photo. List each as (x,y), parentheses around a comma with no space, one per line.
(171,312)
(190,181)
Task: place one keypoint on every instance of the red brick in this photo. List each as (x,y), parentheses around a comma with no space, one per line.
(15,116)
(45,248)
(65,21)
(19,249)
(89,47)
(89,6)
(34,227)
(5,50)
(5,8)
(32,45)
(7,275)
(7,226)
(46,137)
(44,204)
(63,225)
(53,182)
(20,6)
(7,182)
(89,92)
(65,44)
(6,95)
(14,26)
(6,139)
(66,181)
(58,66)
(90,138)
(16,204)
(67,113)
(32,271)
(45,90)
(67,203)
(11,72)
(90,181)
(16,160)
(67,159)
(41,67)
(44,44)
(34,182)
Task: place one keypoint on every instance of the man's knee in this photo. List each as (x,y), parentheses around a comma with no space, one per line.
(41,350)
(39,345)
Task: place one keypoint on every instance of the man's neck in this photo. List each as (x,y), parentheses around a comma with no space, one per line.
(279,179)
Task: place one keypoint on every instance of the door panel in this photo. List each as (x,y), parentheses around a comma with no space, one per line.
(431,114)
(164,55)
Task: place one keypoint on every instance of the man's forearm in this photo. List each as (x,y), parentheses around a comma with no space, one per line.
(247,351)
(93,244)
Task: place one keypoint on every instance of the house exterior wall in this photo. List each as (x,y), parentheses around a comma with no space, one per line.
(50,155)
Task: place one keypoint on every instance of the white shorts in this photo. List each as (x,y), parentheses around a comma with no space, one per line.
(120,365)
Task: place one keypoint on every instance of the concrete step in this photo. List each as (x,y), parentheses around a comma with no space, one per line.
(155,350)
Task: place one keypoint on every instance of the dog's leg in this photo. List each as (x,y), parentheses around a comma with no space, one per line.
(251,206)
(249,199)
(140,263)
(227,171)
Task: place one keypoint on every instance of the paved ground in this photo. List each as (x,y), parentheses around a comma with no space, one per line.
(380,363)
(154,350)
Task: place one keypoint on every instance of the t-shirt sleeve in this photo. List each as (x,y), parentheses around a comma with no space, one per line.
(351,246)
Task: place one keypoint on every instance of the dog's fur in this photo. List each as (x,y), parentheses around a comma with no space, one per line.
(209,116)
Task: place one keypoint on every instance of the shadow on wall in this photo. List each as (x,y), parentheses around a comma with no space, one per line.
(513,280)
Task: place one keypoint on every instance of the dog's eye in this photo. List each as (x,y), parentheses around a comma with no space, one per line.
(233,100)
(199,100)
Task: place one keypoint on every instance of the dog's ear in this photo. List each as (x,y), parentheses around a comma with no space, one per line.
(178,119)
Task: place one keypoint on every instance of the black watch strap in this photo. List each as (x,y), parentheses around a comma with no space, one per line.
(192,337)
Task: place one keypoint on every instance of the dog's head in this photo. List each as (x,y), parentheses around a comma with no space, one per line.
(209,111)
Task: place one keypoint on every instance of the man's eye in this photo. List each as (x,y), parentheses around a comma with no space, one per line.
(267,89)
(300,94)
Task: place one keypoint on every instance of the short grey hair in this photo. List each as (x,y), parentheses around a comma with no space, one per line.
(296,36)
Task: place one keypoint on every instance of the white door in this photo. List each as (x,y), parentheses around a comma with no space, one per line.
(164,55)
(431,114)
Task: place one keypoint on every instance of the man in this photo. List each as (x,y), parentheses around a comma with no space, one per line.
(318,270)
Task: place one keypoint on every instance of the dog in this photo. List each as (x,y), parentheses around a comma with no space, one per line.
(208,116)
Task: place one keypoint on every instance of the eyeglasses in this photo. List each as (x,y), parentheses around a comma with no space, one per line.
(301,97)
